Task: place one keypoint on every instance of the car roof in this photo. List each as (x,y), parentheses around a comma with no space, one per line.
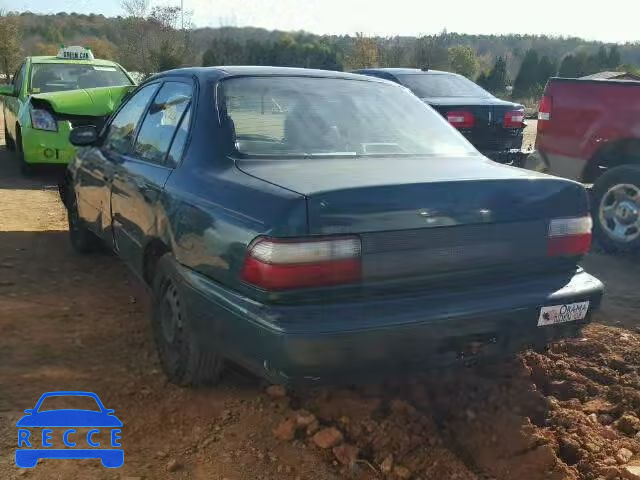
(52,59)
(215,73)
(404,71)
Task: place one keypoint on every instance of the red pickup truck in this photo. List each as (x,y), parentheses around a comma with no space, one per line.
(589,131)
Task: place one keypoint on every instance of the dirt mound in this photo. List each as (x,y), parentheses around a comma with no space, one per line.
(568,414)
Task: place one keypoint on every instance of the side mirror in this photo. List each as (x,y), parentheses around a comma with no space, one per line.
(83,135)
(28,411)
(7,90)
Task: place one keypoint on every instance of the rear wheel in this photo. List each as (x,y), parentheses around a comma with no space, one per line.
(82,239)
(182,359)
(616,209)
(25,168)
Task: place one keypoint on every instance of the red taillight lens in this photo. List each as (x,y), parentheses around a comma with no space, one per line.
(513,119)
(461,119)
(569,236)
(284,264)
(545,107)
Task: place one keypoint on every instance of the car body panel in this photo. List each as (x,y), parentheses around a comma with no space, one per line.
(96,102)
(208,208)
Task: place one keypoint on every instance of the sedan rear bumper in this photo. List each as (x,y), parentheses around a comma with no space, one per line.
(348,339)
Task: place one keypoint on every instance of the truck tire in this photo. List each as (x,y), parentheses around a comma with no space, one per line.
(183,361)
(81,238)
(616,209)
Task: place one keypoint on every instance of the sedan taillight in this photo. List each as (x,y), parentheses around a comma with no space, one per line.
(569,236)
(284,264)
(461,119)
(513,119)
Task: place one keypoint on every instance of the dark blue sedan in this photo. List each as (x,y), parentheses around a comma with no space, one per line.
(310,224)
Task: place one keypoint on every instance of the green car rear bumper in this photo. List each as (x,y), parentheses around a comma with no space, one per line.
(369,336)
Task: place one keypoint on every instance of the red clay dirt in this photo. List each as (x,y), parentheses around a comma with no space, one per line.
(70,322)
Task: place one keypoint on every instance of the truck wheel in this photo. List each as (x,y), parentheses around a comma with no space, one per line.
(616,209)
(10,144)
(25,168)
(181,357)
(82,239)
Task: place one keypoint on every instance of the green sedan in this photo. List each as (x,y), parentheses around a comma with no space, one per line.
(50,95)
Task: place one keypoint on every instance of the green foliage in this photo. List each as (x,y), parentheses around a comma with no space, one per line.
(288,50)
(497,79)
(147,40)
(463,60)
(432,52)
(546,69)
(10,43)
(527,79)
(363,54)
(582,63)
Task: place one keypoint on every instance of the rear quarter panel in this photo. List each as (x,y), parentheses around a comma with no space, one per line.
(213,210)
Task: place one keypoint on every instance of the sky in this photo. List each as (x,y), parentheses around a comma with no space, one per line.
(618,22)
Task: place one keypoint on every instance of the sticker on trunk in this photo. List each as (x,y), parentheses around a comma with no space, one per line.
(569,312)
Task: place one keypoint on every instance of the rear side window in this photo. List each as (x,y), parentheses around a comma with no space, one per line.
(162,120)
(123,127)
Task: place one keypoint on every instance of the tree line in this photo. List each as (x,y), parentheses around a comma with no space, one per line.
(147,40)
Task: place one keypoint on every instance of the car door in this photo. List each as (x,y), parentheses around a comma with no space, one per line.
(12,103)
(141,175)
(97,165)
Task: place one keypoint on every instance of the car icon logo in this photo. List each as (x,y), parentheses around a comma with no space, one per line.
(28,452)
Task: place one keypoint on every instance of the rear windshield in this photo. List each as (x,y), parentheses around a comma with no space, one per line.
(427,85)
(58,77)
(301,116)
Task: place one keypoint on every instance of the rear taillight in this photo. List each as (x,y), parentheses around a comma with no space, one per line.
(545,107)
(569,236)
(513,119)
(284,264)
(461,119)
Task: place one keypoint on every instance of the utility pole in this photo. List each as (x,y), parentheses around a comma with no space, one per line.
(182,12)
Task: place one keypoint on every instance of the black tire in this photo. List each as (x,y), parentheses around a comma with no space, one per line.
(81,238)
(610,208)
(26,169)
(10,144)
(183,361)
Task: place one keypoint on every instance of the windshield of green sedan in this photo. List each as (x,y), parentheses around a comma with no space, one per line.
(434,85)
(58,77)
(301,116)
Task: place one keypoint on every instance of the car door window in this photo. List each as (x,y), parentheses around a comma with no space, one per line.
(180,139)
(18,78)
(123,126)
(162,121)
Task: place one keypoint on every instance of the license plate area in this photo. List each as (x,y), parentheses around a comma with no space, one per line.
(568,312)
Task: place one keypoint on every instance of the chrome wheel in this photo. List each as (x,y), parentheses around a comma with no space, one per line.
(619,212)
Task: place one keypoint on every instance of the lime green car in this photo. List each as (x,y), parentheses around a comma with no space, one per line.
(51,95)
